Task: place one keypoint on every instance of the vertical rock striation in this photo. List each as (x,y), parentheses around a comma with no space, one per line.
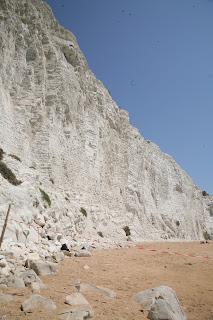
(70,162)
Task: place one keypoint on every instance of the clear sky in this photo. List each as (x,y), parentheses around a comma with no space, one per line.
(156,59)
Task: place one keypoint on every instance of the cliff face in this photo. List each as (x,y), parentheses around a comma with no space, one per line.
(71,164)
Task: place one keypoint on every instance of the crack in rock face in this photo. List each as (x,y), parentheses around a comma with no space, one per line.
(74,143)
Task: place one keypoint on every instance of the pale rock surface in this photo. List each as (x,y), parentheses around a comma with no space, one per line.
(74,165)
(58,257)
(76,299)
(77,313)
(80,308)
(42,268)
(162,303)
(5,298)
(86,287)
(30,279)
(35,287)
(15,282)
(68,253)
(36,301)
(83,253)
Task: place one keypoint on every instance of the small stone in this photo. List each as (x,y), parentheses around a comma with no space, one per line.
(40,221)
(58,257)
(83,253)
(76,299)
(68,253)
(35,287)
(5,271)
(33,256)
(86,267)
(3,262)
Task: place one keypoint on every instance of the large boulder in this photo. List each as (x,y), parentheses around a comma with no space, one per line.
(162,303)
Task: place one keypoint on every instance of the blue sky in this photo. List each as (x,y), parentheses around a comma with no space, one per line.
(156,59)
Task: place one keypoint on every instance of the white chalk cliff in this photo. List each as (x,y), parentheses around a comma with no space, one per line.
(71,164)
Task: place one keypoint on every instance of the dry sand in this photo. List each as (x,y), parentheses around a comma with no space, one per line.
(128,271)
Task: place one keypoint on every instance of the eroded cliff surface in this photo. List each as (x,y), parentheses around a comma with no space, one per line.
(71,164)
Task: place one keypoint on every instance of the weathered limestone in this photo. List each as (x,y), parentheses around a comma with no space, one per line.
(31,279)
(76,299)
(42,268)
(80,308)
(77,313)
(58,257)
(162,304)
(83,253)
(36,301)
(86,287)
(5,298)
(70,162)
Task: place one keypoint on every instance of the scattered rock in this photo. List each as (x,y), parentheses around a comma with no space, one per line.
(42,268)
(16,282)
(86,267)
(76,299)
(4,267)
(161,309)
(162,303)
(58,257)
(5,298)
(35,287)
(40,221)
(30,277)
(77,313)
(83,253)
(85,287)
(36,301)
(81,309)
(68,253)
(5,271)
(7,254)
(3,261)
(33,256)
